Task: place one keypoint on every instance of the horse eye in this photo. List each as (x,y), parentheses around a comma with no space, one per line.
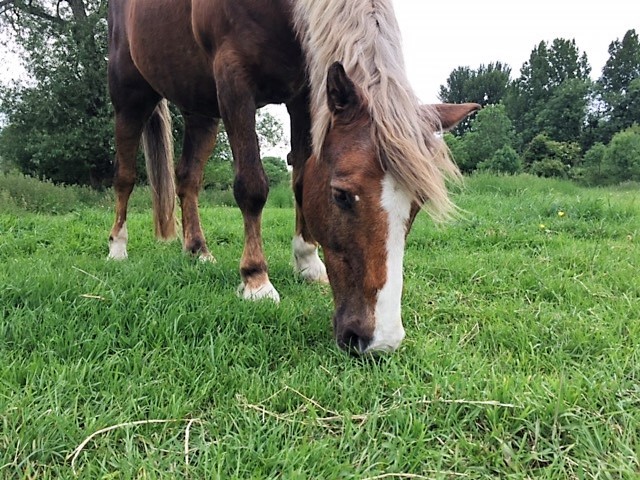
(343,199)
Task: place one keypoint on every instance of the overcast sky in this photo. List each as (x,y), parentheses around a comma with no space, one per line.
(440,36)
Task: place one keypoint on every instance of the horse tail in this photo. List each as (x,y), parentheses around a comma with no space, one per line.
(157,141)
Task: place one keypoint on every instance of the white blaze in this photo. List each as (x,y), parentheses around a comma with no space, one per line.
(389,332)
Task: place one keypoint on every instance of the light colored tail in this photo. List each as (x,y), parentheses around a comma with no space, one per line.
(157,141)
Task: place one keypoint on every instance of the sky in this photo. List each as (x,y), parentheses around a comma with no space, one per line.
(440,36)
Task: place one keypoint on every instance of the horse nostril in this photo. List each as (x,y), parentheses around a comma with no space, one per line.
(354,343)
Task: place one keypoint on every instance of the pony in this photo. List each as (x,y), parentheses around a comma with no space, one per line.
(365,153)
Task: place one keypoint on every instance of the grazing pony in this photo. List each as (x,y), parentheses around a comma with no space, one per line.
(364,151)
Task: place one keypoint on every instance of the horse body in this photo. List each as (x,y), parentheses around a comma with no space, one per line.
(363,151)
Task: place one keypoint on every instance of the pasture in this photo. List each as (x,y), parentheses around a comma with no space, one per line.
(522,356)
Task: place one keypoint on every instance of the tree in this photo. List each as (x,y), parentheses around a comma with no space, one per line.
(562,116)
(548,68)
(505,160)
(458,151)
(486,86)
(548,158)
(490,131)
(592,165)
(619,86)
(276,170)
(59,121)
(621,161)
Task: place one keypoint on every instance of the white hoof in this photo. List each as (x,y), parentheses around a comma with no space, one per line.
(307,261)
(265,291)
(207,258)
(118,246)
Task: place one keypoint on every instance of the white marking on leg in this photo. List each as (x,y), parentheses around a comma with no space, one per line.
(389,332)
(207,258)
(261,292)
(118,246)
(307,261)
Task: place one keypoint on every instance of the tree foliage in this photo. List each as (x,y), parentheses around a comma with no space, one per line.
(490,131)
(59,124)
(505,160)
(555,75)
(619,87)
(486,86)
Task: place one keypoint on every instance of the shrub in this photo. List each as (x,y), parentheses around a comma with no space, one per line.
(37,196)
(621,161)
(591,169)
(505,160)
(549,167)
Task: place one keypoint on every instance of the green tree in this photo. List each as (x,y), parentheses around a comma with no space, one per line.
(58,121)
(592,165)
(486,86)
(276,170)
(621,161)
(619,87)
(490,131)
(548,158)
(548,68)
(505,160)
(562,116)
(458,151)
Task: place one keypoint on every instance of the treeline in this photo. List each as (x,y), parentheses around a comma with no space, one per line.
(552,120)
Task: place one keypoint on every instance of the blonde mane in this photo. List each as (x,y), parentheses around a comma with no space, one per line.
(364,36)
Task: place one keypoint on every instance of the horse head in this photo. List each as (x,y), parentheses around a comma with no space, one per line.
(360,214)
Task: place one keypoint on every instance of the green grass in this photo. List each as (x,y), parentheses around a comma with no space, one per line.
(522,357)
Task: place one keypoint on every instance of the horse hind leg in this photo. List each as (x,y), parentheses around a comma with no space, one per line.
(129,124)
(199,140)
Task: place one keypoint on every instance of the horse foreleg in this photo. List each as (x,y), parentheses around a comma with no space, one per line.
(307,262)
(199,140)
(250,187)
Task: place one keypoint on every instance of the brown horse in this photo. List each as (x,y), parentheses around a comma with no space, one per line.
(364,152)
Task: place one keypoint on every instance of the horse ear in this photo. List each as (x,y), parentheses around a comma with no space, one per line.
(342,95)
(450,114)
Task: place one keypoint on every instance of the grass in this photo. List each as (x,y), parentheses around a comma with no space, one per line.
(522,357)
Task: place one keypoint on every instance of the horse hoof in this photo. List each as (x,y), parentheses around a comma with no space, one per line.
(307,261)
(207,258)
(265,291)
(117,251)
(317,274)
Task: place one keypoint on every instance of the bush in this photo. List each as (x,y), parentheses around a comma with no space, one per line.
(621,161)
(505,160)
(615,163)
(591,169)
(37,196)
(549,168)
